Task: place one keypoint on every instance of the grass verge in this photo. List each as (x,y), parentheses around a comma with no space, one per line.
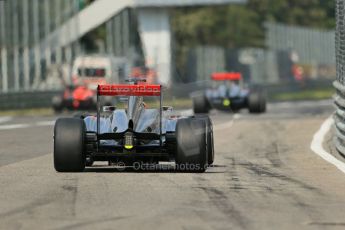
(312,94)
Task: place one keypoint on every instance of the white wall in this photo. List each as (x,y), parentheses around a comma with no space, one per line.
(155,33)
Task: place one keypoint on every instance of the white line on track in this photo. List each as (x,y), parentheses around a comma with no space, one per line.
(227,125)
(316,145)
(14,126)
(5,119)
(22,126)
(45,123)
(217,127)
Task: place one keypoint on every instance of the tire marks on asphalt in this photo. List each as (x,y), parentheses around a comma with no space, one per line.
(220,199)
(94,222)
(265,172)
(274,148)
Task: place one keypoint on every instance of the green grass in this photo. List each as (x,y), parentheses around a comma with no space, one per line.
(313,94)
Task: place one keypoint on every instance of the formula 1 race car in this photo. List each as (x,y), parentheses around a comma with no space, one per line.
(133,133)
(229,95)
(87,73)
(75,98)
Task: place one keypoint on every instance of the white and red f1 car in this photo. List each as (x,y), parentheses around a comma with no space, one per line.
(133,133)
(229,95)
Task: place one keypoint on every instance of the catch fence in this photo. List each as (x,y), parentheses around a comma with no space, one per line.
(339,84)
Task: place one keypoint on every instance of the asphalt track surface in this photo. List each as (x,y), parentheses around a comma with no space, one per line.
(265,177)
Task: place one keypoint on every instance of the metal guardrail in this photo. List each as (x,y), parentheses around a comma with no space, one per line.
(27,100)
(339,116)
(339,84)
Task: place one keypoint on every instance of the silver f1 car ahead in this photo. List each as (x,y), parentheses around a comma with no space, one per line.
(133,134)
(229,96)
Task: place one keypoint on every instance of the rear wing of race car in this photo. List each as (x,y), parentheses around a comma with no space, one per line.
(129,90)
(232,76)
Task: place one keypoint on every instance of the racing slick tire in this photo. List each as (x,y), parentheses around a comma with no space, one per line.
(69,139)
(200,104)
(191,155)
(209,133)
(257,102)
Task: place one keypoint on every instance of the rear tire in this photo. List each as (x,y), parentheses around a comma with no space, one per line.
(257,102)
(69,139)
(210,142)
(200,104)
(191,139)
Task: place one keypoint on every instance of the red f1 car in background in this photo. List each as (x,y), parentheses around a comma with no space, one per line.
(87,73)
(75,98)
(229,94)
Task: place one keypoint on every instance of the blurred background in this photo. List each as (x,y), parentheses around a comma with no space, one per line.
(287,46)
